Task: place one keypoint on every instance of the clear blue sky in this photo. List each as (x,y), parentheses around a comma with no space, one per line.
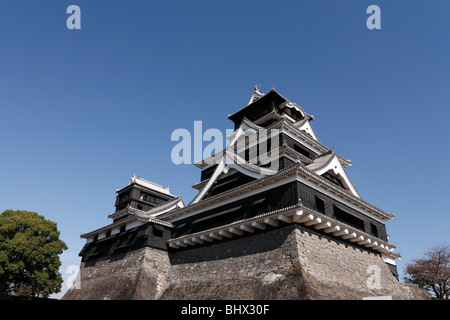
(82,110)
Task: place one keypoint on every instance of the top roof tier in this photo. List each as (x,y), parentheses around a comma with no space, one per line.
(261,104)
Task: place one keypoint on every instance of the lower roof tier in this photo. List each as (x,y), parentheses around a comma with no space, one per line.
(294,214)
(277,198)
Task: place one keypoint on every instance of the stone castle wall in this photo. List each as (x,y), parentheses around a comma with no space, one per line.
(292,262)
(135,275)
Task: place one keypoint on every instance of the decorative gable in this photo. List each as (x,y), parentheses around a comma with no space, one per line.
(328,166)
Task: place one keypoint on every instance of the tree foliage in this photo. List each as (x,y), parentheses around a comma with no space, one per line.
(432,272)
(29,255)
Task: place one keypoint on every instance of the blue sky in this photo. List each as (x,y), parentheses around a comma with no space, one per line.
(82,110)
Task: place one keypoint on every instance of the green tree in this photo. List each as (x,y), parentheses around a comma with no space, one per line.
(29,255)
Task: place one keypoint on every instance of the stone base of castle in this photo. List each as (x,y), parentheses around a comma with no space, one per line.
(286,263)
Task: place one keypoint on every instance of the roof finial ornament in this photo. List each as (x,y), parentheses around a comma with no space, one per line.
(132,179)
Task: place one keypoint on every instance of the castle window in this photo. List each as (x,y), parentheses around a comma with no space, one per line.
(122,228)
(299,149)
(157,232)
(150,198)
(348,218)
(124,197)
(374,230)
(320,205)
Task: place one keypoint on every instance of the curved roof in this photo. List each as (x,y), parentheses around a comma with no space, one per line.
(272,94)
(329,161)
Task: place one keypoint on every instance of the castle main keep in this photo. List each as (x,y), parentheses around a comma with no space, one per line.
(276,217)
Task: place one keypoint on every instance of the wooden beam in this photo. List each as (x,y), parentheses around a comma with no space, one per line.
(312,222)
(259,225)
(206,238)
(309,217)
(225,234)
(181,244)
(284,218)
(239,232)
(215,236)
(332,229)
(173,245)
(342,232)
(384,249)
(189,242)
(360,238)
(247,228)
(273,223)
(350,235)
(297,215)
(373,244)
(363,242)
(197,240)
(323,225)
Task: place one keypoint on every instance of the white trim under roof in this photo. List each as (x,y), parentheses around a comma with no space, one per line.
(294,214)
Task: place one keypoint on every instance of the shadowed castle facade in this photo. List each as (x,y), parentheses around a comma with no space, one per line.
(276,217)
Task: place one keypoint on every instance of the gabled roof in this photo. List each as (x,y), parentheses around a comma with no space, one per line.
(329,161)
(254,103)
(257,97)
(257,94)
(176,203)
(232,160)
(294,105)
(305,126)
(251,124)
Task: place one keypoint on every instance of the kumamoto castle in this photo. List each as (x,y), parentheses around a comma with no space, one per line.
(276,217)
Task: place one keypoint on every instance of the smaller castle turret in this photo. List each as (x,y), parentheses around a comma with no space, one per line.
(141,194)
